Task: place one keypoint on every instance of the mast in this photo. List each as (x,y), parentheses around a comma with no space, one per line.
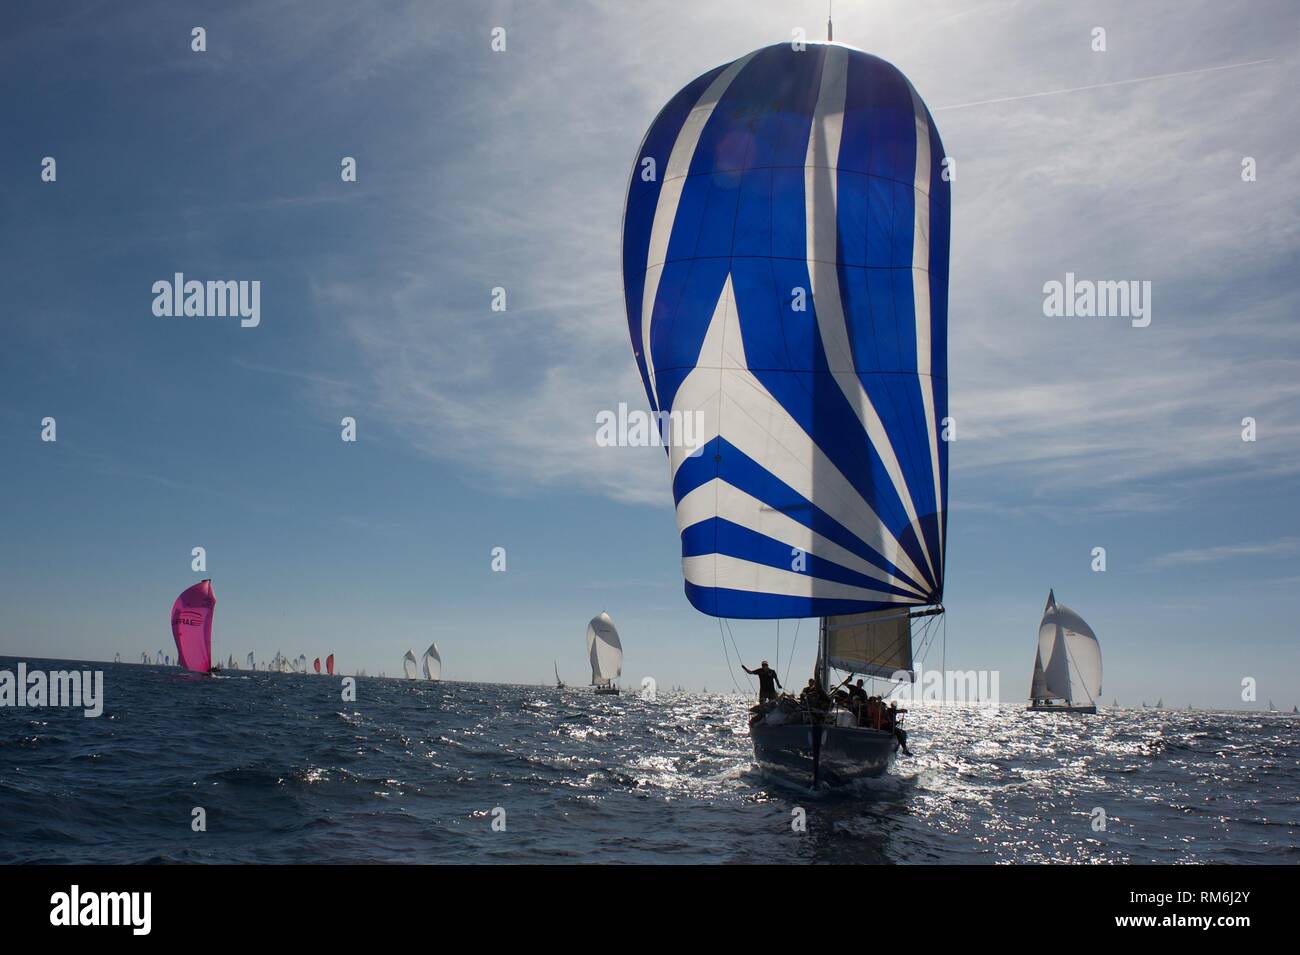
(823,657)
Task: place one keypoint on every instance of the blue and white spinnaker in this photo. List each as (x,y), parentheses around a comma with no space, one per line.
(785,263)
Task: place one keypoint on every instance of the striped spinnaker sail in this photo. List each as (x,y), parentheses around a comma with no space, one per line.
(785,266)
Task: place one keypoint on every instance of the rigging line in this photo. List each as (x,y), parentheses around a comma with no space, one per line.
(728,656)
(737,649)
(790,663)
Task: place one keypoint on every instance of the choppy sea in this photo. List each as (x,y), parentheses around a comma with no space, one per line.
(285,771)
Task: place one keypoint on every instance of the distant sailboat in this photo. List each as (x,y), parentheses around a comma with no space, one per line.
(192,626)
(144,658)
(117,658)
(252,664)
(408,664)
(1271,707)
(559,684)
(432,663)
(158,660)
(1295,710)
(329,665)
(1073,663)
(315,664)
(1160,703)
(605,651)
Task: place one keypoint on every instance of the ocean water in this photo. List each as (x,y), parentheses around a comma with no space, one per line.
(412,772)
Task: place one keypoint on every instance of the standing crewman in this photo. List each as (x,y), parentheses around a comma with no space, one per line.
(767,681)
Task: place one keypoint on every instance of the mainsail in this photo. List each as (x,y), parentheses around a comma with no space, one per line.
(192,626)
(432,663)
(329,664)
(408,664)
(878,643)
(252,664)
(785,274)
(1067,665)
(604,649)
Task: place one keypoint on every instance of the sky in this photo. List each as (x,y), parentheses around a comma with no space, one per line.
(479,169)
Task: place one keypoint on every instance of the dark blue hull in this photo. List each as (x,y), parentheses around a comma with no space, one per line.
(847,753)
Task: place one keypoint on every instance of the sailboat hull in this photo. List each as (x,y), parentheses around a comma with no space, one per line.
(1060,708)
(847,752)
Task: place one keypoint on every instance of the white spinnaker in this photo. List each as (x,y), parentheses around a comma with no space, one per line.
(604,649)
(1072,655)
(408,664)
(432,663)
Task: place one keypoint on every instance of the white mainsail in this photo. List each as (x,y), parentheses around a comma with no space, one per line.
(604,649)
(252,665)
(1068,664)
(408,664)
(432,663)
(877,643)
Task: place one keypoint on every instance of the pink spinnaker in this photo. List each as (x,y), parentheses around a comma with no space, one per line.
(329,664)
(192,626)
(316,664)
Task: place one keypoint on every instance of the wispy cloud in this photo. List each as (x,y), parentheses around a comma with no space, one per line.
(1222,552)
(1130,180)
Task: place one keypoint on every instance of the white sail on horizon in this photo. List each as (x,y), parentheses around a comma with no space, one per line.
(408,664)
(1067,665)
(432,663)
(604,649)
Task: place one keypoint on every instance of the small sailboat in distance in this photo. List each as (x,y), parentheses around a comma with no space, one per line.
(315,664)
(559,684)
(252,664)
(408,664)
(1160,703)
(192,626)
(117,657)
(329,665)
(605,651)
(1067,663)
(144,658)
(432,663)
